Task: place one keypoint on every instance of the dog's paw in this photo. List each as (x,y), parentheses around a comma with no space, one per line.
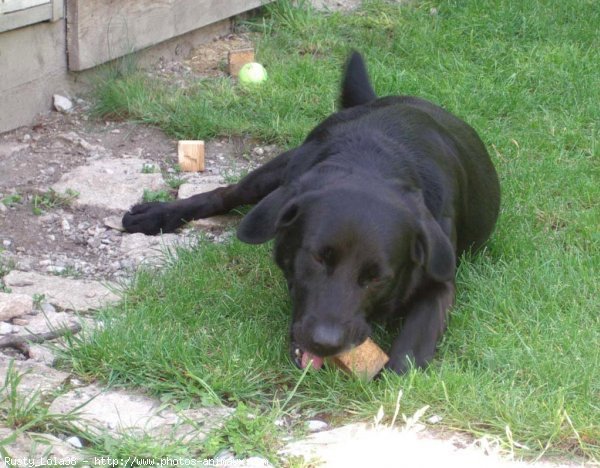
(152,218)
(399,364)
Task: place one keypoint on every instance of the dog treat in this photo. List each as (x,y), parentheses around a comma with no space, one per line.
(238,58)
(191,155)
(364,361)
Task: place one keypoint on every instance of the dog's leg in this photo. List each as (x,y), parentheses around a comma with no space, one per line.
(154,217)
(423,326)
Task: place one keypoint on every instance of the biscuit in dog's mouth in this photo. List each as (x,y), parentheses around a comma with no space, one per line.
(304,358)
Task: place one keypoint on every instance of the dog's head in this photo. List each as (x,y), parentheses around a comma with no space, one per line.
(345,248)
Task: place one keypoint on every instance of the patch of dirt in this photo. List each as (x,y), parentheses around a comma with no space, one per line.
(74,240)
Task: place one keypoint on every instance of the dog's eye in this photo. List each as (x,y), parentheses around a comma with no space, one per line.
(325,256)
(369,276)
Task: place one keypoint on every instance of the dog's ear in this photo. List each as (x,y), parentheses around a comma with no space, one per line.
(432,249)
(356,88)
(260,224)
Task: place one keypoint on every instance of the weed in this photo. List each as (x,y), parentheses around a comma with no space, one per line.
(12,199)
(51,200)
(247,434)
(174,181)
(149,169)
(157,196)
(38,299)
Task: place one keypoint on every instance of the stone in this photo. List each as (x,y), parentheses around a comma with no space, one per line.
(114,184)
(74,441)
(189,189)
(6,328)
(114,222)
(47,308)
(35,376)
(364,445)
(254,462)
(20,322)
(65,293)
(34,448)
(315,425)
(40,353)
(8,149)
(151,250)
(123,411)
(62,104)
(43,323)
(14,304)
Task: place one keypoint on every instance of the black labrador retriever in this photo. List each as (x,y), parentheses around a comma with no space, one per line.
(369,215)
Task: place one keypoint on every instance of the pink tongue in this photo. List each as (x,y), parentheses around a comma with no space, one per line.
(317,362)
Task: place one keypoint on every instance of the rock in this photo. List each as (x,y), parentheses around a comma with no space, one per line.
(42,323)
(216,222)
(151,250)
(40,449)
(6,328)
(120,411)
(14,305)
(114,222)
(224,456)
(114,184)
(20,321)
(435,419)
(74,441)
(41,354)
(35,376)
(254,462)
(189,189)
(315,425)
(364,445)
(8,149)
(66,293)
(47,308)
(62,103)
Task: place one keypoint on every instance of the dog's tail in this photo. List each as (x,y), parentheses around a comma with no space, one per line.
(356,88)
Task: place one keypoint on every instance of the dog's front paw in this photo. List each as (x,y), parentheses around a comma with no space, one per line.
(152,218)
(399,364)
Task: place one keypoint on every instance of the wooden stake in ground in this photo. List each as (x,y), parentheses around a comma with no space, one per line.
(364,361)
(238,58)
(191,155)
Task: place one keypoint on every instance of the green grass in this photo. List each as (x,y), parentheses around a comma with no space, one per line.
(521,359)
(157,196)
(52,199)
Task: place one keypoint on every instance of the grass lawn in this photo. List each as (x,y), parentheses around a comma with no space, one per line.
(521,359)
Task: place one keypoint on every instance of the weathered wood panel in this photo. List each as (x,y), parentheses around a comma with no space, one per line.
(8,6)
(102,30)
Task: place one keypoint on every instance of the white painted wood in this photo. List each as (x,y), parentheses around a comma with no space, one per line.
(58,9)
(21,18)
(8,6)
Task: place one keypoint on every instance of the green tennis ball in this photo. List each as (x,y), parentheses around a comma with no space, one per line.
(252,73)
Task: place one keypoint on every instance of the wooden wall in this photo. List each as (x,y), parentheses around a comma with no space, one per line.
(102,30)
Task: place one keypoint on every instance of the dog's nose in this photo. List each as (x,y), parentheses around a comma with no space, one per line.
(327,339)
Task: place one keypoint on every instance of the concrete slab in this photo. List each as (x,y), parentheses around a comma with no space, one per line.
(120,411)
(14,305)
(35,376)
(65,293)
(115,184)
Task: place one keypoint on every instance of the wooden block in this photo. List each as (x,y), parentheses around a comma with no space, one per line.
(191,155)
(364,361)
(238,58)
